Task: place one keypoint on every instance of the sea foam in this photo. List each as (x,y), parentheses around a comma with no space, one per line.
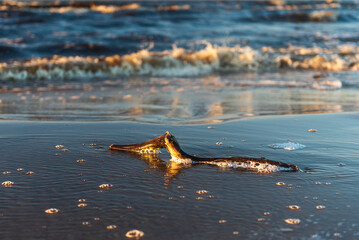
(180,62)
(290,146)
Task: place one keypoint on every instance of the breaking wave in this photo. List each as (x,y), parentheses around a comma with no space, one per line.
(180,62)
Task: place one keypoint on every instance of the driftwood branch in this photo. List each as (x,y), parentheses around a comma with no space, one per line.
(169,142)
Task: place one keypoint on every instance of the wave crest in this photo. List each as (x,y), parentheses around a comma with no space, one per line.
(180,62)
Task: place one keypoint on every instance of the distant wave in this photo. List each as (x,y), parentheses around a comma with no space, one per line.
(313,16)
(292,11)
(180,62)
(83,6)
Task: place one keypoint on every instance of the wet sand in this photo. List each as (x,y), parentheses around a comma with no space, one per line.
(207,99)
(161,198)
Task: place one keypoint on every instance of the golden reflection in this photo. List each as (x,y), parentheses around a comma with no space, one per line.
(168,168)
(215,110)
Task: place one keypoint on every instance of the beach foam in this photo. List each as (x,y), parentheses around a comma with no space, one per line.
(290,146)
(180,62)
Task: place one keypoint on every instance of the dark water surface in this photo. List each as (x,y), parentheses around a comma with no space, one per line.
(71,40)
(156,196)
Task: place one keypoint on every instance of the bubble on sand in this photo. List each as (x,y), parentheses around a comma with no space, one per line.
(280,184)
(135,234)
(320,207)
(111,227)
(290,146)
(30,173)
(52,211)
(292,221)
(6,172)
(7,184)
(222,221)
(202,192)
(82,205)
(293,207)
(312,130)
(105,185)
(59,146)
(81,161)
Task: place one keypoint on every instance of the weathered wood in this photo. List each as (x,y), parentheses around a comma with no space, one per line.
(169,142)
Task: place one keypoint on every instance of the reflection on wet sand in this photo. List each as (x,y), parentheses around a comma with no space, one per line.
(169,169)
(183,100)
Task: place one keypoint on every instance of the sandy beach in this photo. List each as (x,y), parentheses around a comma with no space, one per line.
(160,198)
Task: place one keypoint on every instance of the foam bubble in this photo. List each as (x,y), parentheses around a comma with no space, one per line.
(52,211)
(293,207)
(292,221)
(7,184)
(290,146)
(111,227)
(202,192)
(105,185)
(135,234)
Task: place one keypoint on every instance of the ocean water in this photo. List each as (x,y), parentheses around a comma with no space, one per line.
(115,60)
(272,78)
